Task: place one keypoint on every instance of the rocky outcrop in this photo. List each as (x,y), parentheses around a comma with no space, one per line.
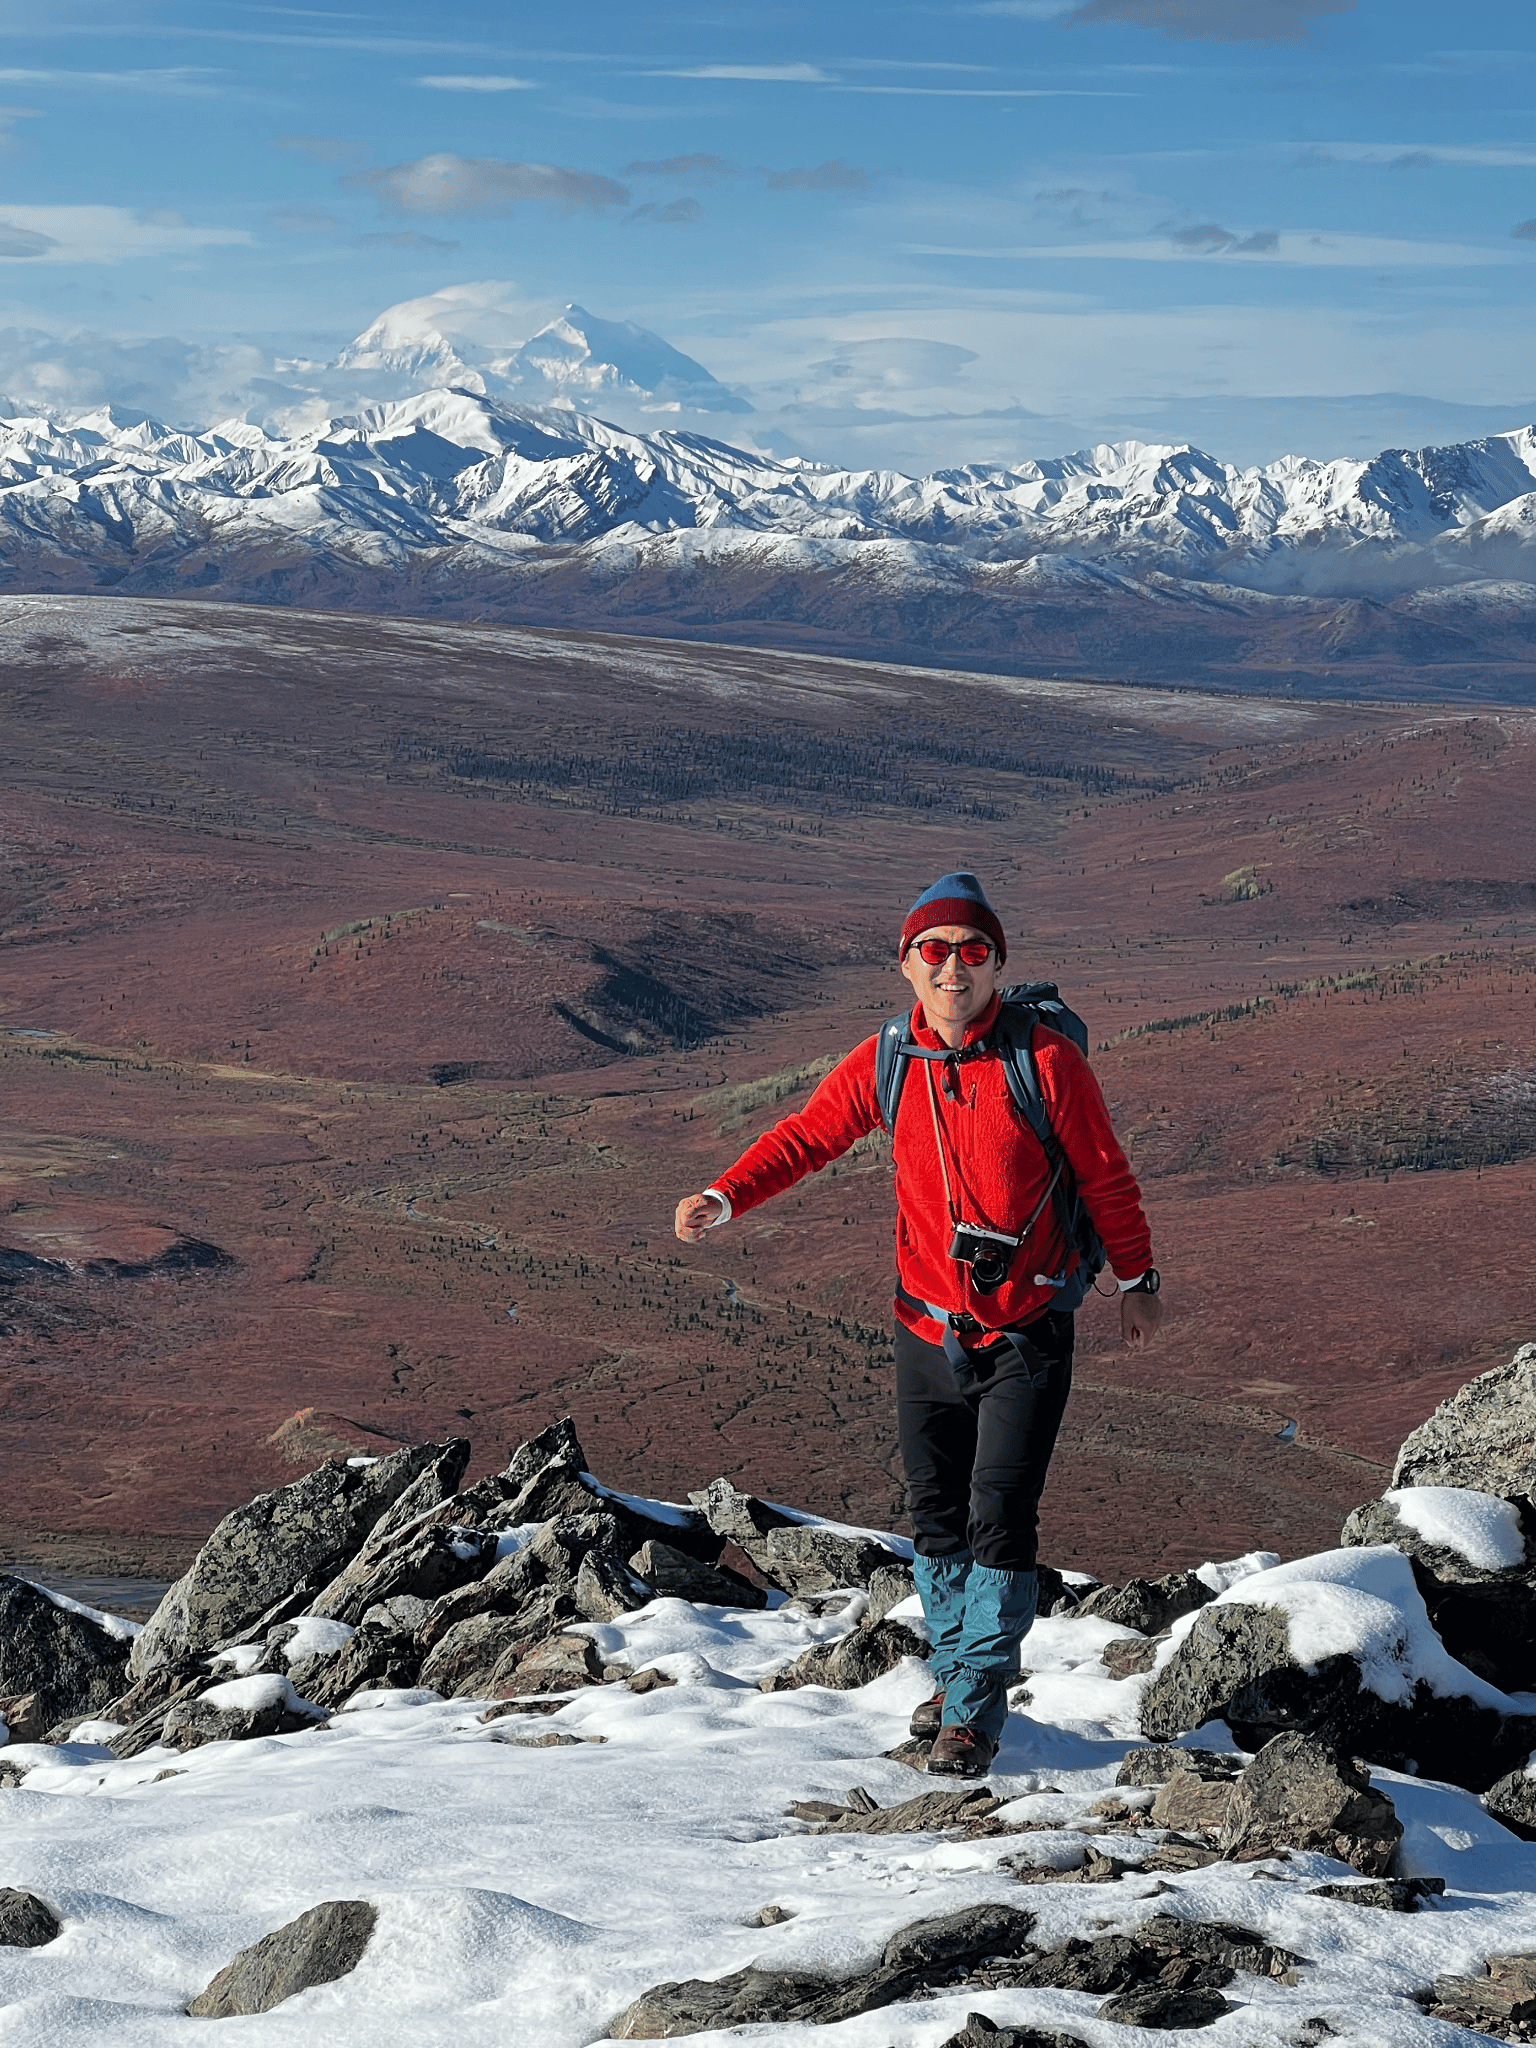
(323,1944)
(1474,1562)
(547,1478)
(465,1662)
(980,2032)
(264,1555)
(421,1561)
(1503,1998)
(70,1665)
(373,1657)
(1301,1794)
(1147,1605)
(561,1663)
(1483,1437)
(930,1953)
(673,1575)
(856,1659)
(794,1555)
(238,1711)
(26,1921)
(1236,1664)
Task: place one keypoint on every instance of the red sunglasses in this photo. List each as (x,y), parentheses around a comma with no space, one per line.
(936,952)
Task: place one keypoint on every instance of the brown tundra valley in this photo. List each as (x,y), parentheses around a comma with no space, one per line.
(371,989)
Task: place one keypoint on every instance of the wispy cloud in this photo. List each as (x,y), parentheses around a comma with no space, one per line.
(104,234)
(832,176)
(195,79)
(676,213)
(1419,156)
(1218,21)
(403,238)
(304,220)
(699,165)
(1207,239)
(445,183)
(1318,251)
(320,149)
(478,82)
(770,74)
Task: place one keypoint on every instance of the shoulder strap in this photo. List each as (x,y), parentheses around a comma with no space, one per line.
(892,1058)
(1015,1041)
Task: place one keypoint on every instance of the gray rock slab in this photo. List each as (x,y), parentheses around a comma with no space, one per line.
(1156,1766)
(70,1664)
(463,1663)
(1385,1894)
(1483,1436)
(673,1574)
(1147,1605)
(26,1921)
(607,1587)
(1168,2011)
(424,1562)
(374,1657)
(1299,1793)
(323,1944)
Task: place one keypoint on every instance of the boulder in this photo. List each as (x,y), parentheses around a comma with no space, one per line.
(1506,1995)
(1475,1566)
(323,1944)
(606,1587)
(298,1535)
(1189,1801)
(464,1662)
(23,1718)
(402,1613)
(889,1586)
(423,1561)
(856,1659)
(238,1711)
(68,1663)
(1152,2006)
(372,1657)
(1157,1766)
(1513,1800)
(1299,1793)
(930,1953)
(25,1921)
(796,1556)
(980,2032)
(1394,1696)
(1131,1656)
(547,1477)
(1483,1437)
(1386,1894)
(561,1663)
(1147,1605)
(673,1575)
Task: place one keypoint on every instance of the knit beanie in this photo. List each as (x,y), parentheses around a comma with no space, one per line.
(954,899)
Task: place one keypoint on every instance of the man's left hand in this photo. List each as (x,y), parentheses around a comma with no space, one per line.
(1141,1317)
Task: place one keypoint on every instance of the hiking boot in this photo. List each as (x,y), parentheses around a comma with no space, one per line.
(927,1718)
(962,1752)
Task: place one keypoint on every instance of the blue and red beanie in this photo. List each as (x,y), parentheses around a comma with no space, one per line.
(954,899)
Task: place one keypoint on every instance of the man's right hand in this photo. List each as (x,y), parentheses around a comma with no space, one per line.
(695,1213)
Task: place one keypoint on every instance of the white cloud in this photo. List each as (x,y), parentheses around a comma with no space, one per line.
(104,234)
(1406,156)
(771,74)
(446,183)
(198,80)
(1209,243)
(471,82)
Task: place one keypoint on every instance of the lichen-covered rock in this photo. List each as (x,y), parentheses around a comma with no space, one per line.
(673,1575)
(1156,1766)
(68,1663)
(463,1663)
(1483,1437)
(323,1944)
(297,1535)
(372,1657)
(1301,1794)
(423,1561)
(796,1556)
(1147,1605)
(1512,1800)
(238,1711)
(1130,1656)
(856,1659)
(1153,2006)
(561,1663)
(26,1921)
(1189,1801)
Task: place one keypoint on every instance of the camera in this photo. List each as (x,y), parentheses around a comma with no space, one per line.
(988,1253)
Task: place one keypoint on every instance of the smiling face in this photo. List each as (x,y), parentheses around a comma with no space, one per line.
(952,994)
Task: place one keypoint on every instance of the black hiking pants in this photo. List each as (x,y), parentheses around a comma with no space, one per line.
(976,1461)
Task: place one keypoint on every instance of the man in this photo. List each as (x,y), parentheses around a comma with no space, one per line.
(983,1343)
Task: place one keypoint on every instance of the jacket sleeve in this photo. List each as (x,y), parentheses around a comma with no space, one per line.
(1080,1119)
(842,1110)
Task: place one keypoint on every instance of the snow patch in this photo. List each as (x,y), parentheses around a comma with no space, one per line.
(316,1636)
(1477,1526)
(252,1695)
(116,1625)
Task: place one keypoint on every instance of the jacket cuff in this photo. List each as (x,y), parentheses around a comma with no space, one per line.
(725,1209)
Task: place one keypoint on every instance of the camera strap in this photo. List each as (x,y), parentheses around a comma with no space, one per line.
(949,1200)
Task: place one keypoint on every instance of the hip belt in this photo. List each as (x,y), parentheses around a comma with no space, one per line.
(960,1323)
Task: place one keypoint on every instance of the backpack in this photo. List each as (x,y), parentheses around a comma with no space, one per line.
(1024,1005)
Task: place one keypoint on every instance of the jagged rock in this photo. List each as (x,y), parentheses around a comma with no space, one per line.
(1301,1794)
(1508,1992)
(424,1561)
(911,1816)
(1483,1437)
(1190,1801)
(256,1557)
(1150,1606)
(464,1662)
(1483,1608)
(402,1614)
(798,1557)
(606,1587)
(649,1680)
(323,1944)
(506,1587)
(1152,2006)
(547,1477)
(1129,1656)
(889,1585)
(1236,1665)
(560,1663)
(674,1575)
(25,1921)
(144,1727)
(860,1656)
(23,1716)
(1164,1952)
(980,2032)
(1513,1800)
(1156,1766)
(1387,1894)
(238,1711)
(434,1487)
(931,1952)
(373,1657)
(69,1663)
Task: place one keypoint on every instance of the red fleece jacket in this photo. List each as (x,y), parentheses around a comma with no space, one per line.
(997,1169)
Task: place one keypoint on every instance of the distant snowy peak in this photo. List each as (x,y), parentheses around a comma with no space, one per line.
(579,353)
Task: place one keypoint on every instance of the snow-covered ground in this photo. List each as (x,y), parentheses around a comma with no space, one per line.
(527,1894)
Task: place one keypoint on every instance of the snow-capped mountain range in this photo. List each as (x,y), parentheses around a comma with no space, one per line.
(453,496)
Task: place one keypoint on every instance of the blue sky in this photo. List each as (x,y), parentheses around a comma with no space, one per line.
(912,234)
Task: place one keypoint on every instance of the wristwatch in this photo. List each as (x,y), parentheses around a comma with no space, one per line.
(1149,1283)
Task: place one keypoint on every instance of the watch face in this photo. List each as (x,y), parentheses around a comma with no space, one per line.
(1150,1282)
